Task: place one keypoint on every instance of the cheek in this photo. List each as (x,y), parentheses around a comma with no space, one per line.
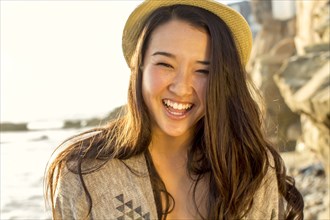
(153,82)
(200,88)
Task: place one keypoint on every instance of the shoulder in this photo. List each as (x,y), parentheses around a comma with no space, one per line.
(115,187)
(98,175)
(267,202)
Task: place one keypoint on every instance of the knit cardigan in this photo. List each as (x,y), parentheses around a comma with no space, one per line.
(121,189)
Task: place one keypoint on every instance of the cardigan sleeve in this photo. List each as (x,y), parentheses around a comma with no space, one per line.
(70,199)
(268,202)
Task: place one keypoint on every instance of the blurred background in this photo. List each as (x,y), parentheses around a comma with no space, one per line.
(62,72)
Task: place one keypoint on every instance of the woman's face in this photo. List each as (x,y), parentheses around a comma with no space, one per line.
(175,75)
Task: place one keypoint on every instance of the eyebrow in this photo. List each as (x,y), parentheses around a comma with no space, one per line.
(204,62)
(163,54)
(166,54)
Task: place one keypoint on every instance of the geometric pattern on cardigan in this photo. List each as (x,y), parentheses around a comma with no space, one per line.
(127,210)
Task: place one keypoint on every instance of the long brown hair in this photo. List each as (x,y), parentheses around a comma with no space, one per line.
(228,143)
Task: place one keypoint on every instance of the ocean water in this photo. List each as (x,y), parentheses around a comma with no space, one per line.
(24,156)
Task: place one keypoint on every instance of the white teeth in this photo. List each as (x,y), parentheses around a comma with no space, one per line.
(178,106)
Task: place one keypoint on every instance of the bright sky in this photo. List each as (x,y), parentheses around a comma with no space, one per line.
(62,59)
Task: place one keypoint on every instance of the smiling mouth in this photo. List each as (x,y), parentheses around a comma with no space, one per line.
(177,108)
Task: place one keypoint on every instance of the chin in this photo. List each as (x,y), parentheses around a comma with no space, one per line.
(176,132)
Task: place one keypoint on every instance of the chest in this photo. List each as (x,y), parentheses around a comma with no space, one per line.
(190,197)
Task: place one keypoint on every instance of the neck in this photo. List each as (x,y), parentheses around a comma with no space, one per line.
(169,150)
(169,145)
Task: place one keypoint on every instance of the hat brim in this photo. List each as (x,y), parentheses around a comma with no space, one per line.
(235,21)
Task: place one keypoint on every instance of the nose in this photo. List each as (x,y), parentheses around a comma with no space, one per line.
(181,84)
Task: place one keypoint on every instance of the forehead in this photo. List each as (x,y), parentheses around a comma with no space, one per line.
(178,34)
(176,24)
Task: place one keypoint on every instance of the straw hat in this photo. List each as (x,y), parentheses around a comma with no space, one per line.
(235,21)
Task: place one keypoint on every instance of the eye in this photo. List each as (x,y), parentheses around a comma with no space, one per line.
(203,71)
(165,65)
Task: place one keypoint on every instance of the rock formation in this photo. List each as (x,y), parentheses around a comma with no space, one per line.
(291,59)
(304,82)
(304,79)
(273,44)
(7,126)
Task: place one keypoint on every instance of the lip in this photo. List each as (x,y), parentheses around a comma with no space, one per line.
(181,102)
(177,115)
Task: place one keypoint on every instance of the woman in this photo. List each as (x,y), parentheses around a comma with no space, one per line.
(190,144)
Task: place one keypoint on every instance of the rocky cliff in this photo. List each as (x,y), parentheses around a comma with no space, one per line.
(290,64)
